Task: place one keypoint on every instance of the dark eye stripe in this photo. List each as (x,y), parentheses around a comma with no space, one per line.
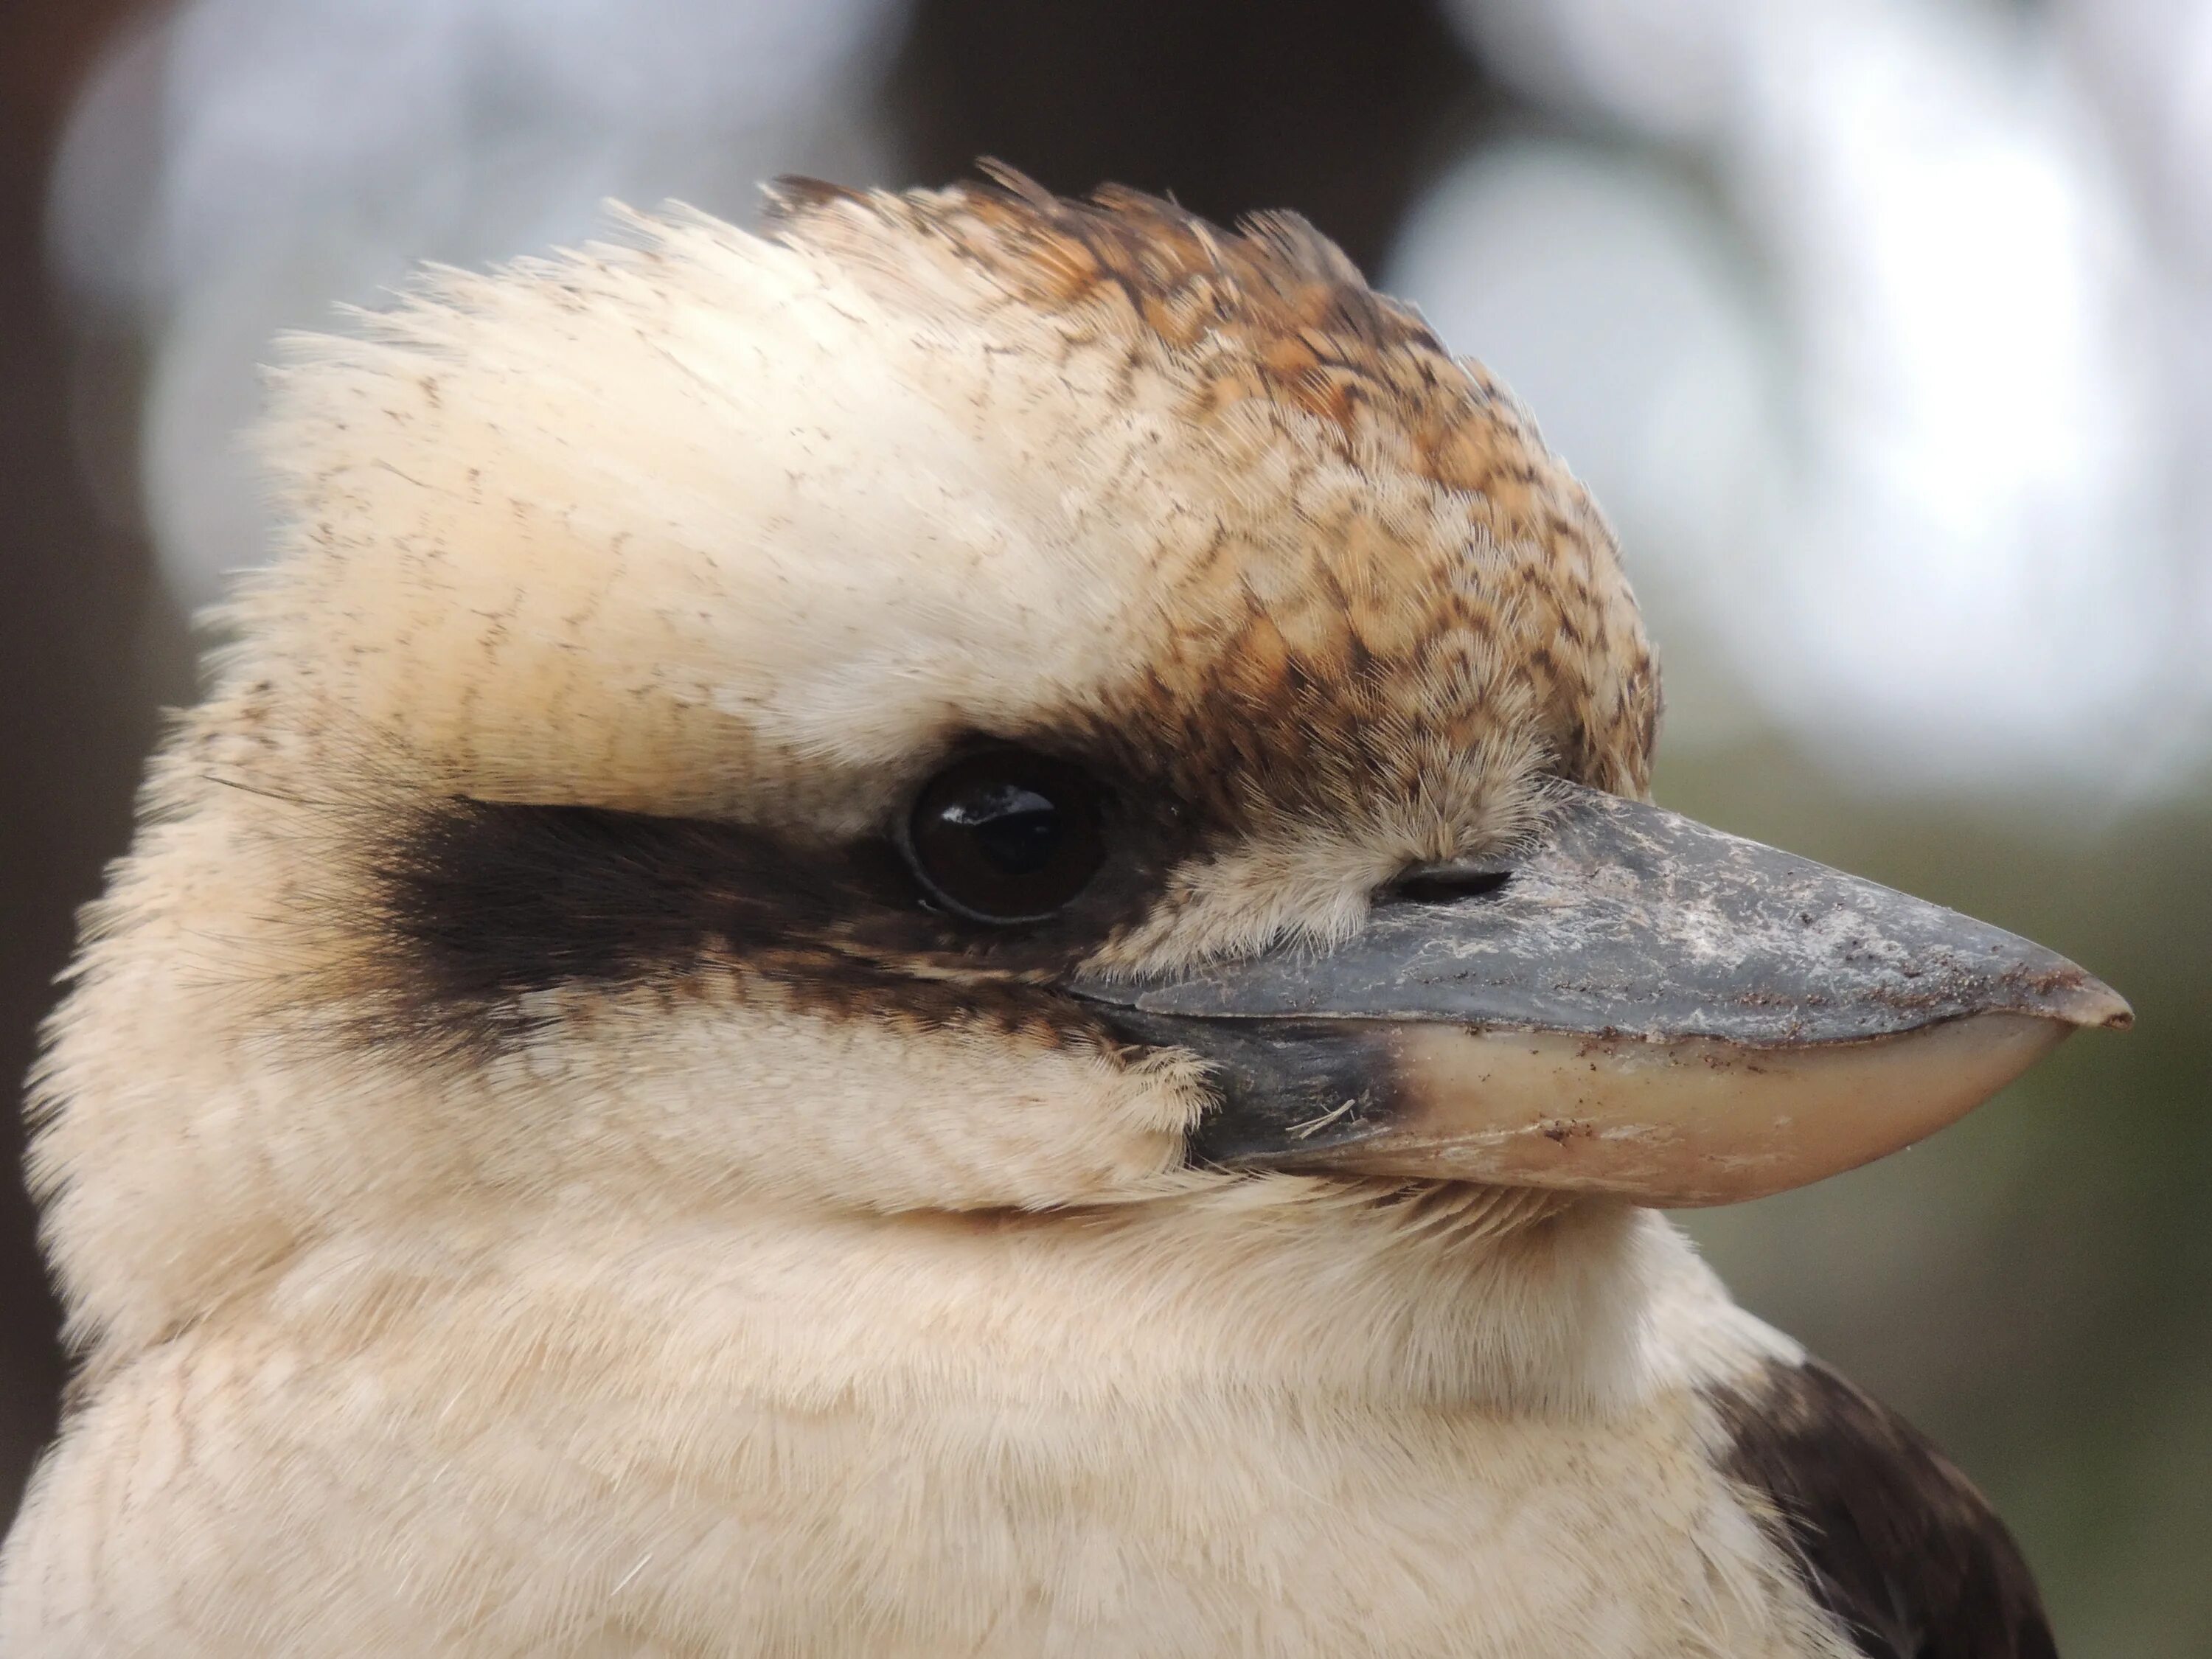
(468,908)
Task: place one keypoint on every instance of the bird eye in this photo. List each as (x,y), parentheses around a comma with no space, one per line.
(1005,835)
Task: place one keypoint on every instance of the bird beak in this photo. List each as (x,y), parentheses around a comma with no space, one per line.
(1643,1006)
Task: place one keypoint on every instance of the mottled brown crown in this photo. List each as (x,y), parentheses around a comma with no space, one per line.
(1382,608)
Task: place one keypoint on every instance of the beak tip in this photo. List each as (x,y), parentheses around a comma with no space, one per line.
(2090,1004)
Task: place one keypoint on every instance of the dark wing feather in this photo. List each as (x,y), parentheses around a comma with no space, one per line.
(1890,1537)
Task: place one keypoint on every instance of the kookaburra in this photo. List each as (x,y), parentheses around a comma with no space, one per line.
(939,934)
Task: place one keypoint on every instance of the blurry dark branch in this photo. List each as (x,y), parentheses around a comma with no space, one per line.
(1337,111)
(74,597)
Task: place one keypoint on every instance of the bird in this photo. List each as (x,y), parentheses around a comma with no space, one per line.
(938,929)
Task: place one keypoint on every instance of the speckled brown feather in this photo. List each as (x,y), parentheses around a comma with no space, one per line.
(1379,623)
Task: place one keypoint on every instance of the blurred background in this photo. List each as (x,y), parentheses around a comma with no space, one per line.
(1883,328)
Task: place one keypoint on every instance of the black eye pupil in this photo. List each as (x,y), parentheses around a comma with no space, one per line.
(1015,828)
(1006,836)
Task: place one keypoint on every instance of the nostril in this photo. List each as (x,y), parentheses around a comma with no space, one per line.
(1445,884)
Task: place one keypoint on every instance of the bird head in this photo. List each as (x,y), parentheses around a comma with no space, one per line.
(971,700)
